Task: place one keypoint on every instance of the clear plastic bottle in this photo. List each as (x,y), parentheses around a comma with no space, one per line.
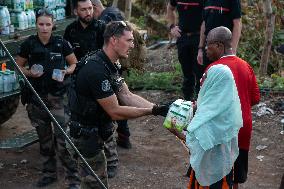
(23,5)
(26,22)
(7,82)
(54,13)
(32,12)
(58,14)
(2,17)
(63,13)
(1,82)
(29,17)
(13,79)
(7,14)
(20,21)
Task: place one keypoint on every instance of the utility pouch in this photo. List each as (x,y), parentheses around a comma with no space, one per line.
(77,130)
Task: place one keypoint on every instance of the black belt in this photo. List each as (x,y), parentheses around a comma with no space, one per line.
(191,33)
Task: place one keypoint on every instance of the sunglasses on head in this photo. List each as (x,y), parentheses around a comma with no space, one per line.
(44,11)
(118,25)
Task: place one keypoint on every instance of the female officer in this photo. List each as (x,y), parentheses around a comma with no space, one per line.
(48,52)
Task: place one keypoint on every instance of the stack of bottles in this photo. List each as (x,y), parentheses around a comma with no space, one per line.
(20,14)
(8,80)
(179,115)
(57,7)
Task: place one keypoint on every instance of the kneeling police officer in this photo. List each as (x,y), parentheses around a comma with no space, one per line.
(98,95)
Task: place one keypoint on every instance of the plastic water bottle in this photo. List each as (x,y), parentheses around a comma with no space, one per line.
(23,5)
(58,75)
(33,18)
(29,18)
(58,14)
(20,21)
(7,82)
(63,13)
(13,78)
(7,14)
(26,23)
(54,13)
(1,82)
(2,17)
(4,22)
(37,69)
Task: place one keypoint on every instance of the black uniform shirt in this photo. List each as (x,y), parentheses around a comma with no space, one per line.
(220,13)
(94,79)
(84,40)
(190,14)
(34,46)
(26,46)
(37,53)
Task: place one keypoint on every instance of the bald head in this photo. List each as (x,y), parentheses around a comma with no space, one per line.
(220,34)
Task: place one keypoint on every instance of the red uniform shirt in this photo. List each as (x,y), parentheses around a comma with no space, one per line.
(248,93)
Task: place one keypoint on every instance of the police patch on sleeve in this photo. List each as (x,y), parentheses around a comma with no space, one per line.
(105,85)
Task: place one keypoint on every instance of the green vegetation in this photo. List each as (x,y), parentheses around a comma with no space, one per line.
(250,47)
(168,81)
(275,82)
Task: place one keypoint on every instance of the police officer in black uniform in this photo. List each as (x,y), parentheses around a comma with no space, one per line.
(107,15)
(95,96)
(49,52)
(187,34)
(86,33)
(219,13)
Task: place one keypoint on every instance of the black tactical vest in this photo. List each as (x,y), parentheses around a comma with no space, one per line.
(85,109)
(85,41)
(50,58)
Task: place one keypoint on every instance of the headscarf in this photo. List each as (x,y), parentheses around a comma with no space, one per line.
(212,135)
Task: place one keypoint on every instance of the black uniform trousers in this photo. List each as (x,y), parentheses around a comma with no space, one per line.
(192,72)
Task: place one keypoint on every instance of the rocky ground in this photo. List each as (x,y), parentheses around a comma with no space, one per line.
(157,160)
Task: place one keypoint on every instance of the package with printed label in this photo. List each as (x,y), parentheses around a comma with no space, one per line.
(179,115)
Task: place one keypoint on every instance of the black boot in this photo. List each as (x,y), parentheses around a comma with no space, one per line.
(123,141)
(111,171)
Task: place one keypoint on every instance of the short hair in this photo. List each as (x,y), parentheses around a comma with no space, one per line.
(220,34)
(97,3)
(116,28)
(75,3)
(44,12)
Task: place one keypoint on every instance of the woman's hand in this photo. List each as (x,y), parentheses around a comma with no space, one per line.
(34,75)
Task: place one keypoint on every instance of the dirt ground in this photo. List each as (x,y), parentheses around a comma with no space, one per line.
(157,160)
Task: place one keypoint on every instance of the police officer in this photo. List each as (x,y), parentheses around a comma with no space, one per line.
(113,14)
(219,13)
(187,34)
(50,52)
(96,92)
(86,35)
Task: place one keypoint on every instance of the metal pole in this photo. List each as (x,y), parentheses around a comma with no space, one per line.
(51,116)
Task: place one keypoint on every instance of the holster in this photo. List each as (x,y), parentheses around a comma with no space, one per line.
(89,143)
(78,130)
